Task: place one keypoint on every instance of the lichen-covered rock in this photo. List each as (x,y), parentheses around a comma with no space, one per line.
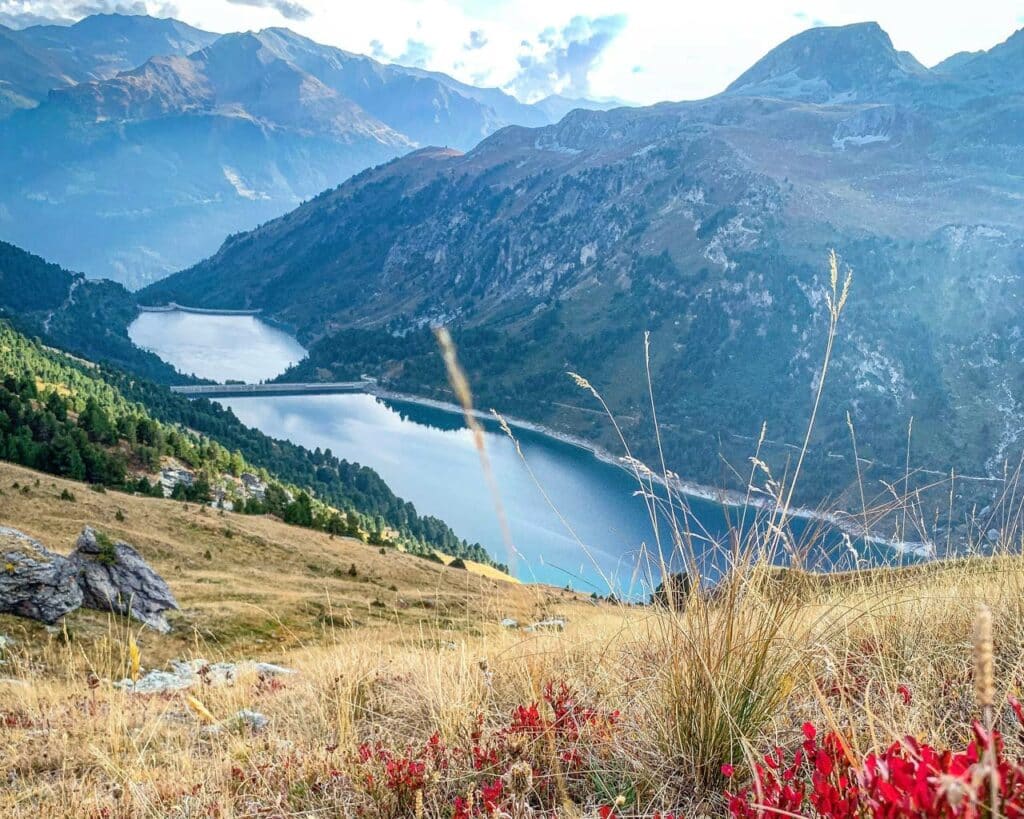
(35,582)
(114,577)
(243,720)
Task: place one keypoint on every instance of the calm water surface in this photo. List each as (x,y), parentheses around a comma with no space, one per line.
(573,518)
(221,348)
(427,456)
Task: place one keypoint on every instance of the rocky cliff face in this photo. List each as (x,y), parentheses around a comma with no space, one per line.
(708,224)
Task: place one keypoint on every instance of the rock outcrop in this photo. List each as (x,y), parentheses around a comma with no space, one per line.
(35,582)
(187,673)
(113,576)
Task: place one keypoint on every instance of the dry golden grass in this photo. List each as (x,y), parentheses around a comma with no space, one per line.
(252,584)
(479,568)
(716,683)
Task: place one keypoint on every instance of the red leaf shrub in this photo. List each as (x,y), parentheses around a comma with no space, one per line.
(543,752)
(907,779)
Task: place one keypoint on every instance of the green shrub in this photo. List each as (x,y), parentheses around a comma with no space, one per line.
(108,551)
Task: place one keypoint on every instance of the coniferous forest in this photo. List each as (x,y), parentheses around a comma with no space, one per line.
(100,425)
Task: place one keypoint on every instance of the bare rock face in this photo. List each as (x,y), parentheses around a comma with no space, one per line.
(35,582)
(114,577)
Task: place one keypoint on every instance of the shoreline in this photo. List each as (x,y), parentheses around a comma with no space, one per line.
(711,494)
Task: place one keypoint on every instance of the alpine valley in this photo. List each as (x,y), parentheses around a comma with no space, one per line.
(743,537)
(156,139)
(707,223)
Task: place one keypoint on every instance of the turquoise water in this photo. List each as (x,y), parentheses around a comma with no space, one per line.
(574,519)
(428,457)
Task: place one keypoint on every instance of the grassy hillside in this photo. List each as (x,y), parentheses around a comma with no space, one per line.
(411,700)
(252,584)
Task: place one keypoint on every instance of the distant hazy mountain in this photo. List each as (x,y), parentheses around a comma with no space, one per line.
(556,106)
(100,46)
(144,142)
(35,60)
(709,224)
(996,71)
(26,73)
(846,63)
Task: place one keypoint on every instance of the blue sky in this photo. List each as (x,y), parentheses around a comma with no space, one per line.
(638,50)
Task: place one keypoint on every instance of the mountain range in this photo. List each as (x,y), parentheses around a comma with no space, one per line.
(155,139)
(709,224)
(38,59)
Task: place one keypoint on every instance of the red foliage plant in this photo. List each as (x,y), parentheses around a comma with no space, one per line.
(543,753)
(909,778)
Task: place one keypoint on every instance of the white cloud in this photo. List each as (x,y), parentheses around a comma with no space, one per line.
(288,9)
(477,39)
(22,13)
(416,53)
(561,60)
(686,50)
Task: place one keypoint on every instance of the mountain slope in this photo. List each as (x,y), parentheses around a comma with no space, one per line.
(79,420)
(156,165)
(102,45)
(997,71)
(427,106)
(854,62)
(708,224)
(87,317)
(26,73)
(156,162)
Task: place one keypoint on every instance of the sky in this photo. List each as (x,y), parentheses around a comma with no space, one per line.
(639,51)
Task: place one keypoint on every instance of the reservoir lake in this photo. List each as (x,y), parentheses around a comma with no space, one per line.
(217,347)
(574,519)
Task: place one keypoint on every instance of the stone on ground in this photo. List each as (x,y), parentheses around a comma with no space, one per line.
(35,582)
(114,577)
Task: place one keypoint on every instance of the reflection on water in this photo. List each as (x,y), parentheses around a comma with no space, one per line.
(429,458)
(221,348)
(575,520)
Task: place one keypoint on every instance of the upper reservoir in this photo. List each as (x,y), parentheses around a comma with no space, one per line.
(218,347)
(574,519)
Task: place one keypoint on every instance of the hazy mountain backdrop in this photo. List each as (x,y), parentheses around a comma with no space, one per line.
(707,223)
(155,140)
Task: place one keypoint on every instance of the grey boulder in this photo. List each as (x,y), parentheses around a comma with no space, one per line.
(35,582)
(242,720)
(114,577)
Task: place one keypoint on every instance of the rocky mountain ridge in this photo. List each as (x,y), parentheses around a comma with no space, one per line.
(38,59)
